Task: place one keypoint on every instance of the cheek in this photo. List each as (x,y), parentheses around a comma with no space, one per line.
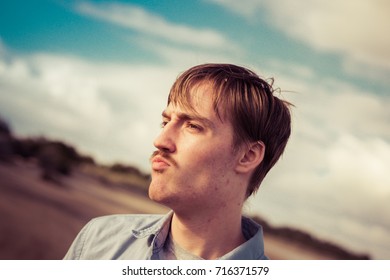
(212,164)
(203,158)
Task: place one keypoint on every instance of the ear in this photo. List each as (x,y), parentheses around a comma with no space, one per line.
(251,156)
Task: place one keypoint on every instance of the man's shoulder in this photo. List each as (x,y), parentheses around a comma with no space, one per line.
(120,236)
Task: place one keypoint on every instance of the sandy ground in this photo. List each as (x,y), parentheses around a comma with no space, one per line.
(39,219)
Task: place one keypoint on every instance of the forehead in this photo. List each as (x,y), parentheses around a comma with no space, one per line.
(197,102)
(196,98)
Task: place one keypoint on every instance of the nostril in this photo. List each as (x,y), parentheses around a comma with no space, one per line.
(165,150)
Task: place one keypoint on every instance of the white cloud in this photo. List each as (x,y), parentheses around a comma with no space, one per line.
(109,110)
(182,57)
(147,23)
(356,29)
(357,164)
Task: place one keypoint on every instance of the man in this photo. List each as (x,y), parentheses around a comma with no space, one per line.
(222,131)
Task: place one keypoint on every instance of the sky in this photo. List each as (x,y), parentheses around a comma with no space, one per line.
(96,74)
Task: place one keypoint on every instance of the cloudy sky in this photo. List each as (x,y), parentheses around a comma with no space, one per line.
(96,74)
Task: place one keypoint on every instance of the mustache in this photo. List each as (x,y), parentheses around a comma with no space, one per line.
(164,155)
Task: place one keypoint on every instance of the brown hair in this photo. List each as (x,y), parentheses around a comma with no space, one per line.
(248,102)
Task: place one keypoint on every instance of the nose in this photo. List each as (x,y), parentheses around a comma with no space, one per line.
(165,141)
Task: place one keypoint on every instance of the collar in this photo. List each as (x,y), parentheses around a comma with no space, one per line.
(157,233)
(252,249)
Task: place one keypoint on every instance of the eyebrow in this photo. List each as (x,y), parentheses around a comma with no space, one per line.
(186,116)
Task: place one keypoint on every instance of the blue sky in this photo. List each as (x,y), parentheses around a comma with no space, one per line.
(97,74)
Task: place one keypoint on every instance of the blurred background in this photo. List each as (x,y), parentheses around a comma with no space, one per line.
(83,85)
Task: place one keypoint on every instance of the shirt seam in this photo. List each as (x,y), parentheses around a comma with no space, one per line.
(84,238)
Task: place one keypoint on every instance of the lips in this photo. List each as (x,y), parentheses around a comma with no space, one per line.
(159,163)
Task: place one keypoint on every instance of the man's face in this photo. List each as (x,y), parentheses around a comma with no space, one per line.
(194,163)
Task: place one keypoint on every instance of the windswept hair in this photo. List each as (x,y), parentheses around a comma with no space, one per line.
(248,102)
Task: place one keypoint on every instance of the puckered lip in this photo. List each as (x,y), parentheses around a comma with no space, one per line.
(158,159)
(159,163)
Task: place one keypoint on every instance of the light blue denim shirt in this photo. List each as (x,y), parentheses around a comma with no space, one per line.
(142,237)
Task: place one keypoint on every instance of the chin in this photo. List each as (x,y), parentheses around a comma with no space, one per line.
(153,196)
(159,194)
(156,191)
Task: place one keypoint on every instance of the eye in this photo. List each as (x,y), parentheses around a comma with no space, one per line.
(163,124)
(194,126)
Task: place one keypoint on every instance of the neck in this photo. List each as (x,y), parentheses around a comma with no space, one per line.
(208,235)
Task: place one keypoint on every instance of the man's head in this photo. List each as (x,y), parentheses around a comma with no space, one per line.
(247,102)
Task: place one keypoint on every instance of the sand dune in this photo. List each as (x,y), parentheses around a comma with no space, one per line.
(40,219)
